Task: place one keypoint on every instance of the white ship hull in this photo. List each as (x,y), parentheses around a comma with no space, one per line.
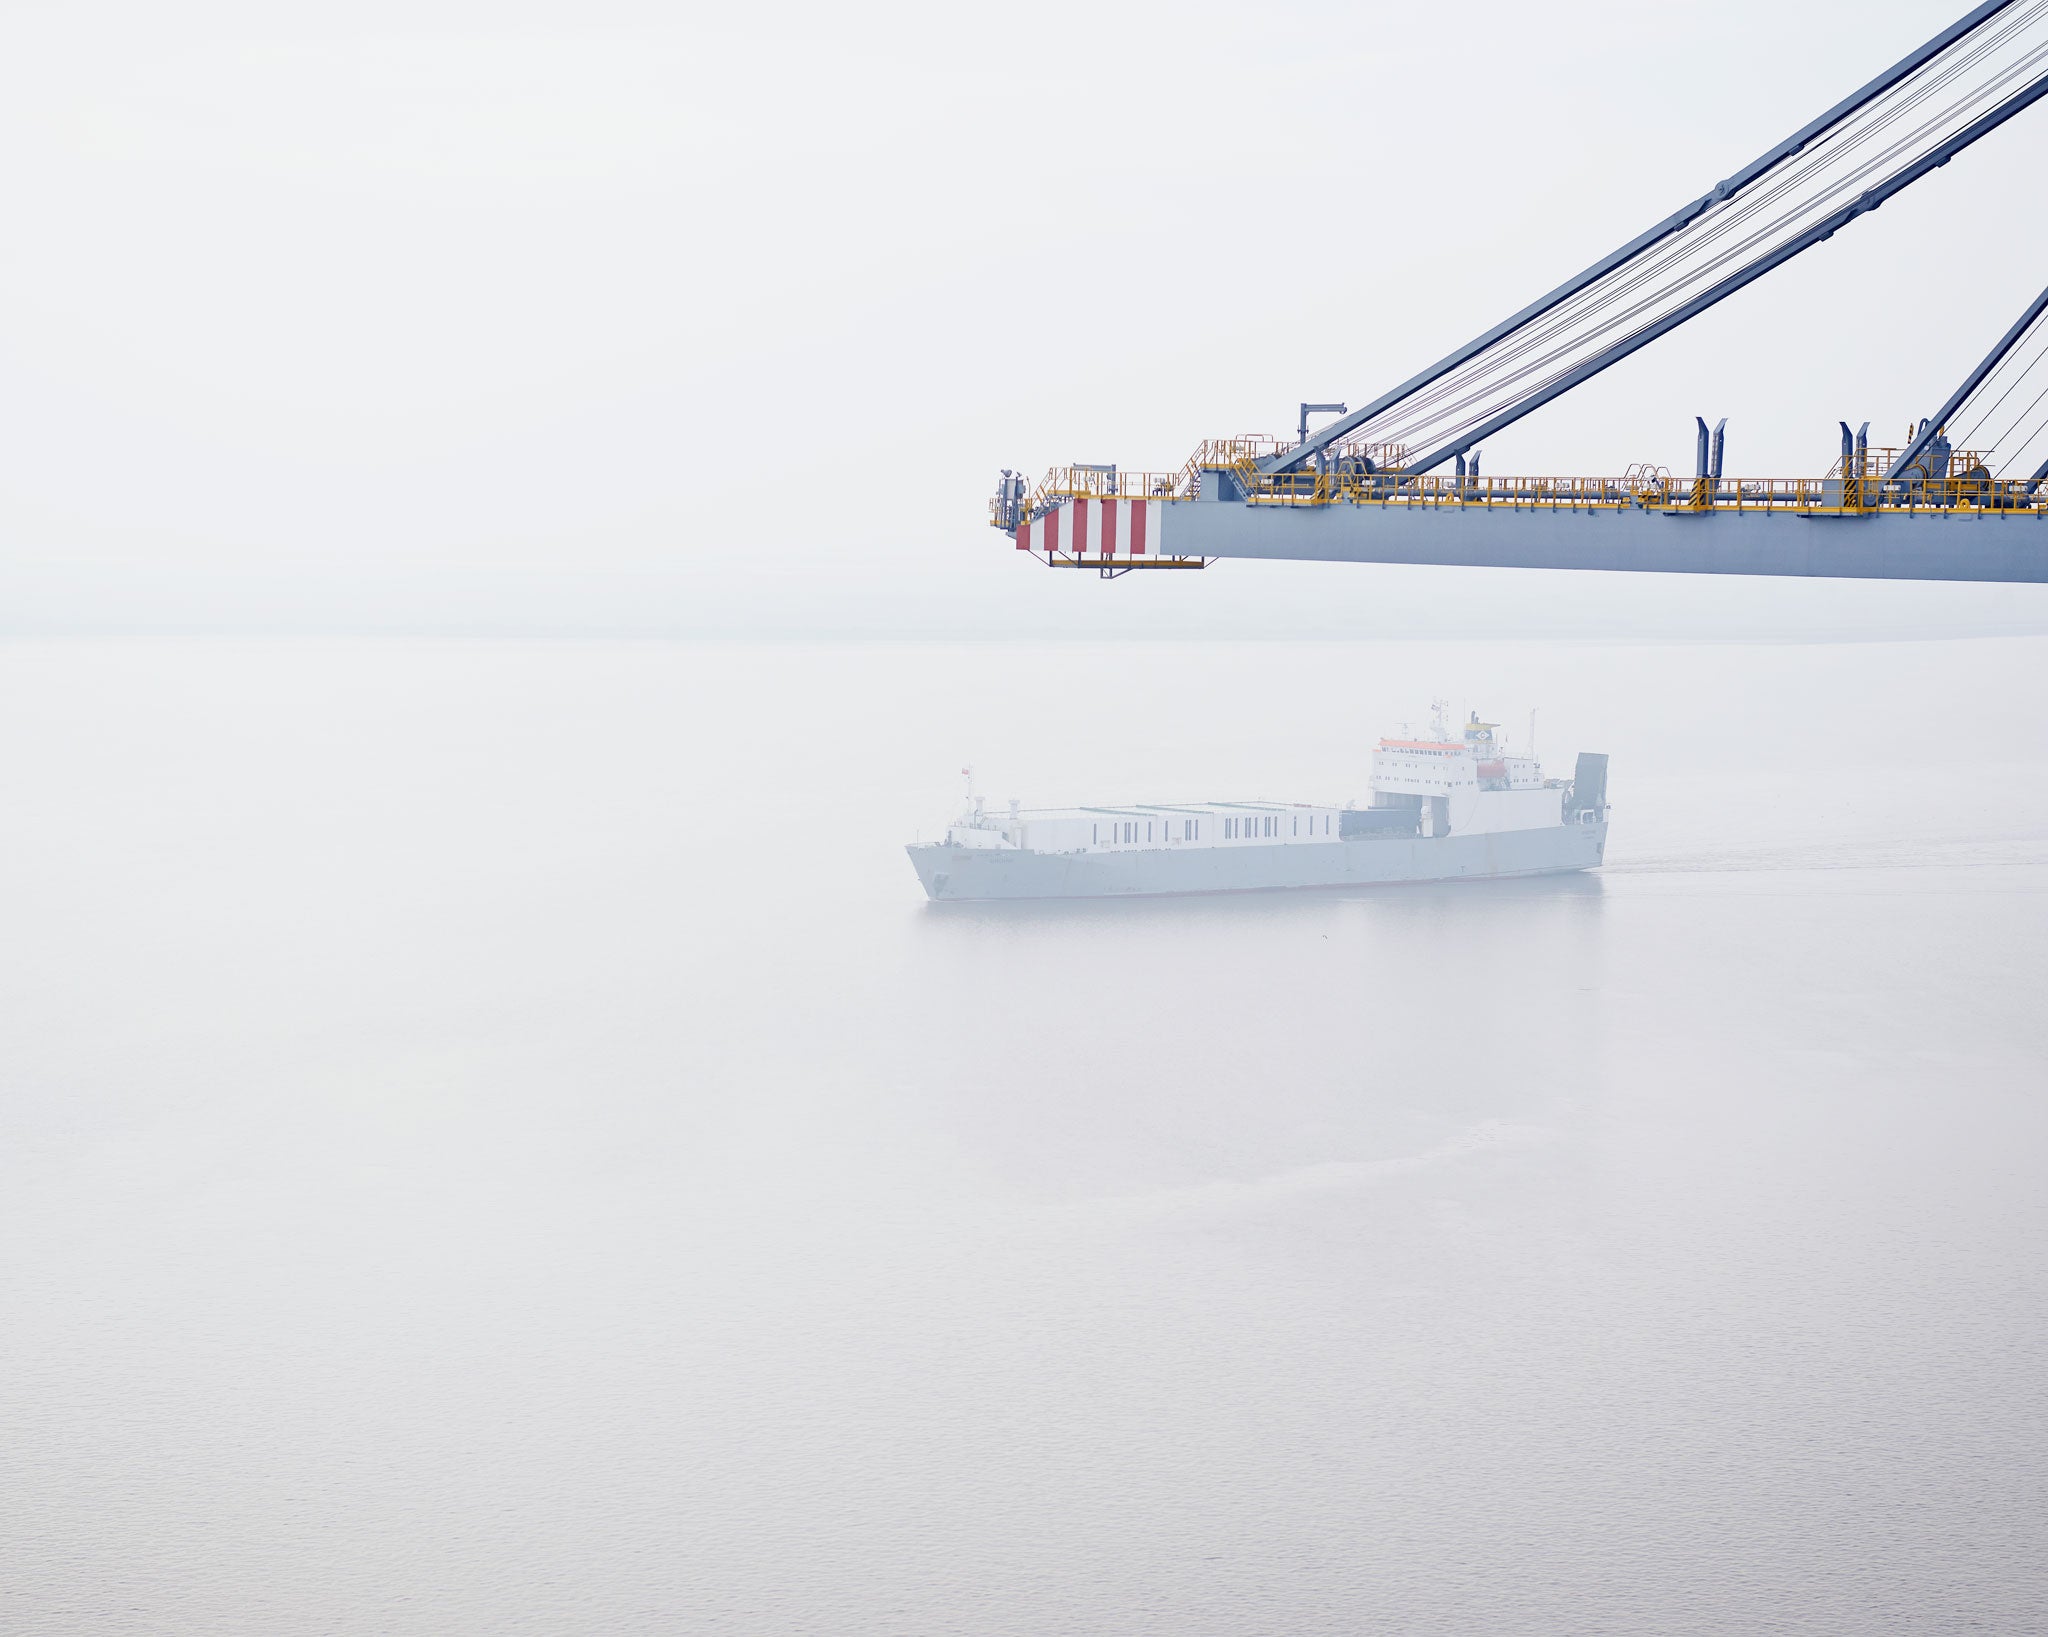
(966,874)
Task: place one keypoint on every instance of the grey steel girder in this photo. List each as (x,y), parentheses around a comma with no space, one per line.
(1920,545)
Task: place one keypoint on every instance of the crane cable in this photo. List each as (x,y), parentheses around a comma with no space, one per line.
(1968,438)
(1561,341)
(1473,382)
(1567,338)
(2006,464)
(1712,227)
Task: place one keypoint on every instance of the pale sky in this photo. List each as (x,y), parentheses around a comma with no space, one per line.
(629,317)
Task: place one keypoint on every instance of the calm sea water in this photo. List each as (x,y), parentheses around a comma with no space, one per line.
(492,1140)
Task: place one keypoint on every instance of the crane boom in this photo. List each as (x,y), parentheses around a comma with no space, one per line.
(1926,510)
(1818,233)
(1814,134)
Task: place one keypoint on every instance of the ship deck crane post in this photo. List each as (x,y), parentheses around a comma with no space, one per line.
(1369,486)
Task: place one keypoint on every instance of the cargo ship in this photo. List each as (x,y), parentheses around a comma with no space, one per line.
(1443,808)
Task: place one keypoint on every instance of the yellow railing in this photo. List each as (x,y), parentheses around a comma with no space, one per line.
(1346,480)
(1662,493)
(1239,456)
(1877,462)
(1946,496)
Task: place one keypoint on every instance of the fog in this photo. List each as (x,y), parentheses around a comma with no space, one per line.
(512,318)
(494,572)
(493,1140)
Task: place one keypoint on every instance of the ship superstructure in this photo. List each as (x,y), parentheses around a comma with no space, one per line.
(1445,807)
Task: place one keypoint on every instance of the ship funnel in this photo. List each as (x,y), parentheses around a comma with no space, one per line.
(1589,784)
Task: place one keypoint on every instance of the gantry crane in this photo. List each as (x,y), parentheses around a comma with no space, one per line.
(1370,485)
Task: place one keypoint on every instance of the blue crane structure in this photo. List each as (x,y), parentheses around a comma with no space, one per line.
(1372,485)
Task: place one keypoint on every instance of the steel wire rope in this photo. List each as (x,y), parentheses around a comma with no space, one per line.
(1824,151)
(1570,331)
(2030,437)
(1459,393)
(1491,384)
(1479,394)
(2033,331)
(1573,333)
(2023,447)
(1571,358)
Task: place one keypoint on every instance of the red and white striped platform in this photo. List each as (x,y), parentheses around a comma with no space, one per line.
(1098,529)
